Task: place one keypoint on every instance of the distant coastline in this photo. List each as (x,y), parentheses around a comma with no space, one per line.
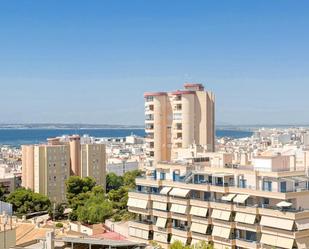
(18,136)
(53,126)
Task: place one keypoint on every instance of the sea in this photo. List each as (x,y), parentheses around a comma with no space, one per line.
(17,137)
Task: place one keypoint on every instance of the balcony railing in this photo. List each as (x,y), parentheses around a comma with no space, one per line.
(182,228)
(145,222)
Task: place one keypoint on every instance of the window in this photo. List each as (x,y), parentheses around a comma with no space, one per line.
(267,186)
(265,201)
(206,196)
(242,183)
(283,187)
(162,176)
(149,98)
(177,116)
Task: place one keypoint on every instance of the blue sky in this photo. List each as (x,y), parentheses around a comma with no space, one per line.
(91,61)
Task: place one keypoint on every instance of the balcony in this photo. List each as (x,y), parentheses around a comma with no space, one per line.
(247,243)
(139,195)
(160,198)
(143,211)
(181,231)
(198,237)
(149,137)
(161,213)
(147,181)
(142,224)
(177,139)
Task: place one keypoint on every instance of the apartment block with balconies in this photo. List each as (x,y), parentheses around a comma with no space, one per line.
(230,207)
(176,120)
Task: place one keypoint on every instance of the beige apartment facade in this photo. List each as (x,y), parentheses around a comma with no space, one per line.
(178,119)
(93,162)
(46,167)
(228,207)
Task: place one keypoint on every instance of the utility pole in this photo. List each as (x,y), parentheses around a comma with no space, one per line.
(4,232)
(54,209)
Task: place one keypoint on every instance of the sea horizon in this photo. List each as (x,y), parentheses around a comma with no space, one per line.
(19,136)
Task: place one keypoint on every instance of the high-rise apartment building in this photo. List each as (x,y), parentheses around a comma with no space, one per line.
(176,120)
(93,162)
(46,167)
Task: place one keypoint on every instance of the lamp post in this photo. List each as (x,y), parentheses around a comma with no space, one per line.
(4,232)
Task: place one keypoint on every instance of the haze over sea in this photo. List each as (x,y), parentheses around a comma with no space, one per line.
(17,137)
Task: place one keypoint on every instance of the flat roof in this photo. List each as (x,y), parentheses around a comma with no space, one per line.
(94,241)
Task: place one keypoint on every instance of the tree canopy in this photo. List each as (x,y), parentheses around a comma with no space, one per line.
(57,212)
(25,201)
(200,245)
(130,176)
(90,204)
(95,210)
(77,185)
(113,181)
(2,192)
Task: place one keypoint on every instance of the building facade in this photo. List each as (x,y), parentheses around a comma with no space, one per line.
(46,167)
(93,162)
(177,120)
(228,207)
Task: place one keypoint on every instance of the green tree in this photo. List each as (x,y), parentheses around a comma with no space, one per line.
(113,181)
(130,176)
(2,192)
(119,198)
(25,201)
(199,245)
(202,245)
(177,245)
(77,185)
(56,212)
(95,210)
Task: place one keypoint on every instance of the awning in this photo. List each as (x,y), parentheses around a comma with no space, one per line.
(216,214)
(276,241)
(277,223)
(138,203)
(177,208)
(250,219)
(245,218)
(159,205)
(221,174)
(222,232)
(303,243)
(225,215)
(161,222)
(241,198)
(178,238)
(228,197)
(240,217)
(179,192)
(139,233)
(302,224)
(198,211)
(284,204)
(199,228)
(221,215)
(165,190)
(161,237)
